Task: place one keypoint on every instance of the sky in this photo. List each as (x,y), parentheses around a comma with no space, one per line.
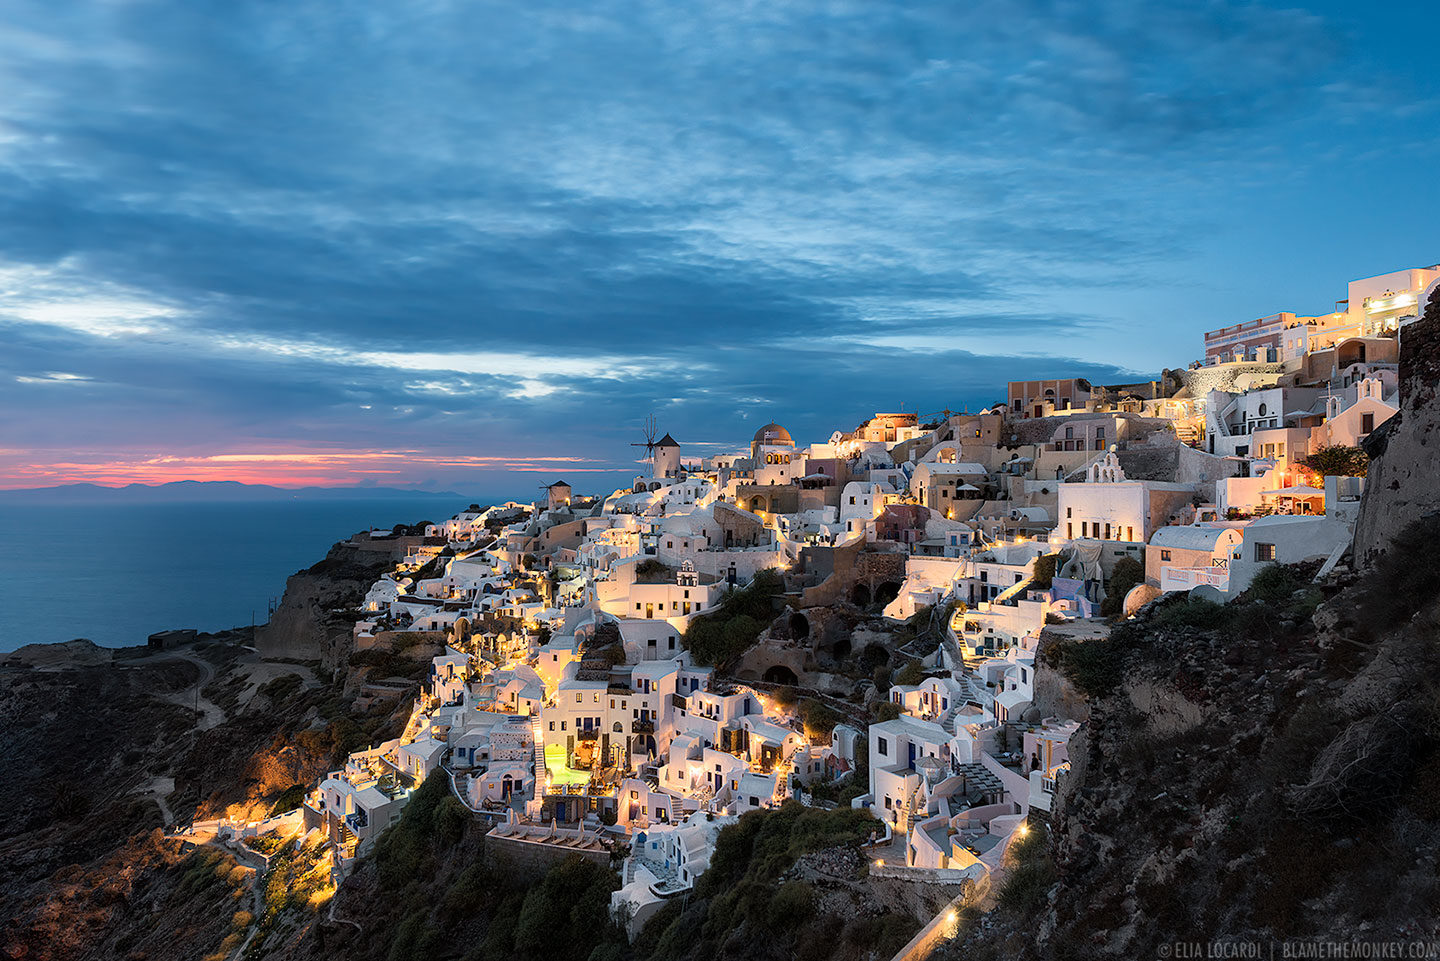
(438,243)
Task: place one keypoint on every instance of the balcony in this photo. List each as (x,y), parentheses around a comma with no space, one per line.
(642,726)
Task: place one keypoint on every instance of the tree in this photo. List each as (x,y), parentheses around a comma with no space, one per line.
(1128,573)
(1043,573)
(1336,460)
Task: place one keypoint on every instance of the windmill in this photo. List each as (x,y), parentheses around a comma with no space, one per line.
(649,445)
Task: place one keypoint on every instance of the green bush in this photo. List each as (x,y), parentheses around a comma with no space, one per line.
(1127,574)
(1275,584)
(290,799)
(794,903)
(1027,884)
(819,719)
(887,711)
(911,674)
(1185,612)
(1043,574)
(724,634)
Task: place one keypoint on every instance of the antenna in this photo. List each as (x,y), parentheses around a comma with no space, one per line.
(649,444)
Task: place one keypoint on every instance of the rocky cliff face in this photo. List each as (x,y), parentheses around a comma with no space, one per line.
(1404,480)
(106,753)
(1259,772)
(305,625)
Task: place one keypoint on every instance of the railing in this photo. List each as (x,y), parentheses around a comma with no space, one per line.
(1185,578)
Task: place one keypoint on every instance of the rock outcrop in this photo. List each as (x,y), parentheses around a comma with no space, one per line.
(1404,479)
(305,626)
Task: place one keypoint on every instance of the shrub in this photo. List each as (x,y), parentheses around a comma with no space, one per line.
(1032,873)
(911,674)
(793,904)
(724,634)
(650,567)
(887,711)
(1275,584)
(1096,667)
(1407,575)
(1043,574)
(1127,574)
(1185,612)
(290,799)
(819,719)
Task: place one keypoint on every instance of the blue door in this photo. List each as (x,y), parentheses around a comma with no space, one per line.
(912,756)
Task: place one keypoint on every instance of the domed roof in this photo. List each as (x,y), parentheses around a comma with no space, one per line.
(773,435)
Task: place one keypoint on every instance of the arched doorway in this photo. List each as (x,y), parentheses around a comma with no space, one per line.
(886,593)
(799,626)
(861,595)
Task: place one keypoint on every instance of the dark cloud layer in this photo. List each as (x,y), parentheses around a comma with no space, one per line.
(519,228)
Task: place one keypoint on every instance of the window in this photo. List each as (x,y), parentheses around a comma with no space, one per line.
(1264,552)
(1263,410)
(577,698)
(1367,423)
(1069,531)
(883,747)
(1129,533)
(1164,555)
(1069,512)
(1069,433)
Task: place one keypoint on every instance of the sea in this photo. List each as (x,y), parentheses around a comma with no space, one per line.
(116,573)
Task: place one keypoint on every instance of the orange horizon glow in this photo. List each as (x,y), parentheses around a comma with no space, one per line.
(402,468)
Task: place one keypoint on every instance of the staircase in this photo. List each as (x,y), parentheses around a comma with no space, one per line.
(413,725)
(542,773)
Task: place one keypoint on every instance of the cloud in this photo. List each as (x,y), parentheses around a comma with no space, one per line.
(452,227)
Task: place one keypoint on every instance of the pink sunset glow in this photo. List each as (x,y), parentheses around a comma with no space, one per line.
(289,468)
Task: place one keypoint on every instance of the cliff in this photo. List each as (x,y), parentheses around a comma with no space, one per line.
(107,753)
(1404,477)
(308,624)
(1260,772)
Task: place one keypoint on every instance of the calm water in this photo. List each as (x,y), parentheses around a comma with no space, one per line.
(116,574)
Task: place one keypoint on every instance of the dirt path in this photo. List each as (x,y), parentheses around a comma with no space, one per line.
(158,790)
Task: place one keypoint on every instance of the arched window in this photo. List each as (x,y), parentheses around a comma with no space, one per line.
(1263,410)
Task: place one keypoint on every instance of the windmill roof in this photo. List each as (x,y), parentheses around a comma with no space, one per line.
(667,441)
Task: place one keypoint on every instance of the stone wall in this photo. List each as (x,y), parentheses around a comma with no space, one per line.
(531,859)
